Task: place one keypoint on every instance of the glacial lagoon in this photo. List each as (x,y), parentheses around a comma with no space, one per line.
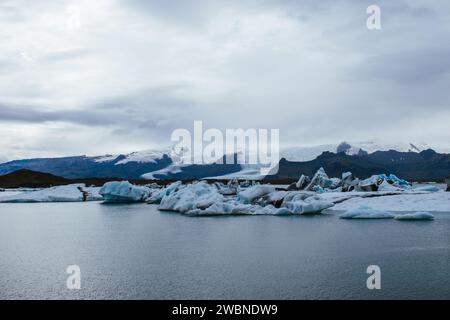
(134,251)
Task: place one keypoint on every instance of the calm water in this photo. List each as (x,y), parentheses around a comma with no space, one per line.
(136,252)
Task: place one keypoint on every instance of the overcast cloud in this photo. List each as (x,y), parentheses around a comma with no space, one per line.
(111,76)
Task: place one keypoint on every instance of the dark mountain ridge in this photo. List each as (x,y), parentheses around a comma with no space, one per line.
(426,165)
(78,167)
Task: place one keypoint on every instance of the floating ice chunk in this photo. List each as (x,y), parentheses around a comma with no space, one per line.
(321,179)
(386,186)
(346,175)
(123,191)
(302,181)
(396,180)
(365,212)
(157,195)
(415,216)
(203,199)
(296,195)
(274,197)
(370,184)
(198,195)
(308,206)
(67,193)
(92,193)
(251,193)
(427,188)
(318,189)
(338,189)
(335,182)
(231,188)
(346,182)
(234,208)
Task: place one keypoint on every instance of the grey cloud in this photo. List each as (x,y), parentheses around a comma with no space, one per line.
(63,55)
(147,110)
(406,67)
(138,69)
(7,65)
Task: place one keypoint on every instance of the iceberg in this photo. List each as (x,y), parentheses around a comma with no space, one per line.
(365,212)
(321,182)
(274,198)
(427,188)
(414,216)
(370,184)
(123,191)
(199,195)
(395,180)
(386,186)
(68,193)
(302,181)
(230,189)
(203,199)
(234,208)
(307,205)
(159,194)
(248,195)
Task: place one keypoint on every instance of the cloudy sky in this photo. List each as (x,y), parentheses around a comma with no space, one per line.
(111,76)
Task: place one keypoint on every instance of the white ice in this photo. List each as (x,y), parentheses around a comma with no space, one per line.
(123,191)
(67,193)
(248,195)
(386,186)
(309,205)
(405,201)
(415,216)
(159,194)
(201,199)
(365,212)
(427,188)
(200,195)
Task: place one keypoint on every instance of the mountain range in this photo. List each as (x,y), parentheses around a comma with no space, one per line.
(409,161)
(426,165)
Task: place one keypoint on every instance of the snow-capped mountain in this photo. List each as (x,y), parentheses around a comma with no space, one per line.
(172,162)
(295,153)
(349,148)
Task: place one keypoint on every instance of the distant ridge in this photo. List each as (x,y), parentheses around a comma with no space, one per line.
(408,160)
(30,179)
(426,165)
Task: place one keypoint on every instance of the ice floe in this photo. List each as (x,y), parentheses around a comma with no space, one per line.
(123,191)
(67,193)
(427,188)
(386,186)
(365,212)
(200,195)
(309,205)
(405,201)
(415,216)
(250,194)
(159,194)
(321,183)
(202,199)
